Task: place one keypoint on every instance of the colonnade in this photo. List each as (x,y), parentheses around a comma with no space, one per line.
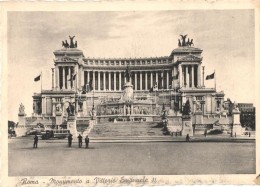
(64,77)
(190,75)
(141,80)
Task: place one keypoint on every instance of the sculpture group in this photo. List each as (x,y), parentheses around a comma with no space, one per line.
(184,42)
(71,45)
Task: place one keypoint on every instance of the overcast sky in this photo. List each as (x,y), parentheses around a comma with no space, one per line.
(225,36)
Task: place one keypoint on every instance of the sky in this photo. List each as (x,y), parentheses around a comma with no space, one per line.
(225,36)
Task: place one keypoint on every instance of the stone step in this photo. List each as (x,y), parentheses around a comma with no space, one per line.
(126,129)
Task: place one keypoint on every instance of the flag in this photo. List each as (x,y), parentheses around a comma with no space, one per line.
(175,77)
(73,77)
(37,78)
(211,76)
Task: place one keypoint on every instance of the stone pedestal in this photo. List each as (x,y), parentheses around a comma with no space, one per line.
(198,118)
(72,126)
(58,118)
(237,128)
(128,92)
(187,126)
(21,129)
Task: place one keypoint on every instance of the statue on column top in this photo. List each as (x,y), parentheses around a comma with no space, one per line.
(21,109)
(71,41)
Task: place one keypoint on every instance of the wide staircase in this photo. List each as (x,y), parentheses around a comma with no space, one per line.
(121,131)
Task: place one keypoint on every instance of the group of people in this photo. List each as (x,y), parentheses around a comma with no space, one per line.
(79,140)
(35,143)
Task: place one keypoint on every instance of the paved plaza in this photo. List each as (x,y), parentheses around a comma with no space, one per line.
(148,158)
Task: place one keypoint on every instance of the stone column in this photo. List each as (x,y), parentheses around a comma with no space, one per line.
(104,81)
(52,76)
(94,81)
(135,80)
(192,76)
(43,105)
(120,83)
(199,75)
(63,78)
(141,81)
(88,76)
(162,77)
(82,77)
(69,78)
(109,81)
(167,79)
(187,76)
(180,74)
(77,85)
(57,77)
(98,80)
(146,80)
(172,83)
(156,78)
(151,78)
(114,81)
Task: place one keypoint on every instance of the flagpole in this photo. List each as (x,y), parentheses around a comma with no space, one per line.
(41,81)
(215,80)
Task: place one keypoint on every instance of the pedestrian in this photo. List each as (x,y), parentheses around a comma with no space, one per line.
(70,139)
(249,134)
(187,138)
(80,140)
(235,134)
(87,141)
(35,143)
(205,133)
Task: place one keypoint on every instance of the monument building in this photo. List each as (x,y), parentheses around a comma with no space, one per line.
(123,89)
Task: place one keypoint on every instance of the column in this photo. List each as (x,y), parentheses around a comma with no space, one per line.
(43,105)
(146,80)
(81,77)
(156,78)
(167,79)
(187,76)
(88,77)
(172,83)
(192,77)
(180,74)
(114,81)
(198,75)
(63,78)
(77,77)
(94,81)
(52,78)
(69,79)
(98,80)
(151,78)
(104,80)
(135,80)
(73,73)
(109,81)
(141,80)
(162,77)
(120,83)
(57,77)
